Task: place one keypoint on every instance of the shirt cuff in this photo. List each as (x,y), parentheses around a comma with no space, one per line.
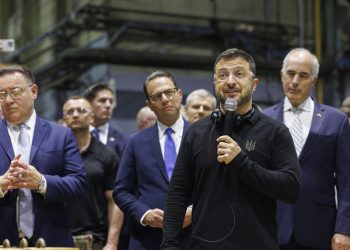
(2,193)
(143,216)
(42,186)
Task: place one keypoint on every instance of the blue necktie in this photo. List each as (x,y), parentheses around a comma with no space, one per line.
(96,133)
(169,152)
(25,200)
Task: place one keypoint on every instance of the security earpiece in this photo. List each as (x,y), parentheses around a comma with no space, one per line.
(216,116)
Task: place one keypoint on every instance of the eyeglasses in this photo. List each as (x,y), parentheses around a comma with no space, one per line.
(14,92)
(238,74)
(169,93)
(80,110)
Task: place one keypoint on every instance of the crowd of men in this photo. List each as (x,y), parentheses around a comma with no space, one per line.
(195,176)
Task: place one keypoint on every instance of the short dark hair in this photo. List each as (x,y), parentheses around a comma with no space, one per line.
(234,53)
(91,92)
(156,74)
(6,69)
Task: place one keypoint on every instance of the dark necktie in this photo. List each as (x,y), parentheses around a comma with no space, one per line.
(296,130)
(96,133)
(25,200)
(169,152)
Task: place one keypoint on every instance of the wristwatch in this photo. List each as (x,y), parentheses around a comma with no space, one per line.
(42,185)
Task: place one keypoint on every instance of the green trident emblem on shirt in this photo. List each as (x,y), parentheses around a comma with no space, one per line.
(250,145)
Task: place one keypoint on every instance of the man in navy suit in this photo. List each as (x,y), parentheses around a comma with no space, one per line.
(320,219)
(47,169)
(143,179)
(101,98)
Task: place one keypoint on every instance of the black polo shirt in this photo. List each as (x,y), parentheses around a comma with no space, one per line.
(89,215)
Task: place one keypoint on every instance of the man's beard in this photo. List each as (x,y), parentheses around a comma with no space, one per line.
(80,129)
(241,101)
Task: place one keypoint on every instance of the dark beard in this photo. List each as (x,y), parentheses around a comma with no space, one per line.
(241,101)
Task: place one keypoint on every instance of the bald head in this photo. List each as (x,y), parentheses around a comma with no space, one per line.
(145,118)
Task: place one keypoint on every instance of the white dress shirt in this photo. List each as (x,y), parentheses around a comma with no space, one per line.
(102,132)
(14,134)
(178,128)
(307,110)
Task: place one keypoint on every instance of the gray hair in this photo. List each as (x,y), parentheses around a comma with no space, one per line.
(203,93)
(315,63)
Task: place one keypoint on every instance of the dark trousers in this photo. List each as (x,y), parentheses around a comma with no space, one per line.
(97,245)
(294,245)
(124,242)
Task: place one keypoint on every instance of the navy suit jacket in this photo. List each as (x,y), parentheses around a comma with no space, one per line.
(116,140)
(325,163)
(142,184)
(56,155)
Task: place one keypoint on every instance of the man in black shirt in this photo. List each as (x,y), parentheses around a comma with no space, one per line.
(96,214)
(233,180)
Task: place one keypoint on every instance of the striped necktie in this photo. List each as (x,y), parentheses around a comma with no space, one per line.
(25,220)
(296,130)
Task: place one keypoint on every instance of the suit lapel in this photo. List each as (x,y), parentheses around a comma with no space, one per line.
(316,122)
(38,136)
(111,137)
(186,126)
(153,139)
(6,140)
(278,114)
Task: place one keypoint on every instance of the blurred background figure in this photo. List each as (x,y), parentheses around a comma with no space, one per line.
(145,118)
(199,103)
(61,121)
(345,107)
(102,100)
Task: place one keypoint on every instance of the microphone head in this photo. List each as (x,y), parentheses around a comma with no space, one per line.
(230,104)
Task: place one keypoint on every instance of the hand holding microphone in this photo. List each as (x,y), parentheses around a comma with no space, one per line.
(230,108)
(227,148)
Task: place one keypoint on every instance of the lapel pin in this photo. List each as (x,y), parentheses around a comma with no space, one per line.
(318,115)
(112,139)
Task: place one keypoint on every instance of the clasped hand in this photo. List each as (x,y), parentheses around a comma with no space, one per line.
(154,218)
(20,175)
(227,149)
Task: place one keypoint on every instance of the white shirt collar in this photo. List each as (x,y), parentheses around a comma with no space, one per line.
(305,106)
(177,127)
(103,128)
(30,122)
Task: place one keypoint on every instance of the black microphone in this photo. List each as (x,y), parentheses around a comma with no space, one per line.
(230,108)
